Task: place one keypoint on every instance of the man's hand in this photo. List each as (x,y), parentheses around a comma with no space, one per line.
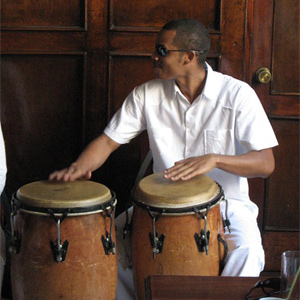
(70,174)
(190,167)
(252,164)
(92,158)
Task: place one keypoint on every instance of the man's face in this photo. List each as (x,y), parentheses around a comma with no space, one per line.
(171,65)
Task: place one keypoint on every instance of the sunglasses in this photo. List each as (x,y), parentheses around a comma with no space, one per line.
(163,51)
(269,287)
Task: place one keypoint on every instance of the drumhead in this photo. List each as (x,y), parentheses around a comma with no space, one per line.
(78,196)
(159,194)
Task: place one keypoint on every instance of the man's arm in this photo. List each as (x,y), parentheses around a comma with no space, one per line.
(252,164)
(93,157)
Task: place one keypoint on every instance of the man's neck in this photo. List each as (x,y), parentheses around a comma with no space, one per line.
(193,84)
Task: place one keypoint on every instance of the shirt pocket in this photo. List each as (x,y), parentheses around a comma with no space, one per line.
(219,142)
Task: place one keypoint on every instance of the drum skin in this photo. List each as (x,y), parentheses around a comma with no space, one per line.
(180,255)
(87,273)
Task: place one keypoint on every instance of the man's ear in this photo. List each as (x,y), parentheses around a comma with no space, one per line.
(189,57)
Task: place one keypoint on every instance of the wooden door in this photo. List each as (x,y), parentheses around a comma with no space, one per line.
(68,65)
(275,46)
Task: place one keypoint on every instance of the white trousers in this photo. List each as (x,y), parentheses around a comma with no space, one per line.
(245,252)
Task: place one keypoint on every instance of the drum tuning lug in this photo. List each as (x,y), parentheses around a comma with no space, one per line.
(226,221)
(227,224)
(157,243)
(59,251)
(108,244)
(202,241)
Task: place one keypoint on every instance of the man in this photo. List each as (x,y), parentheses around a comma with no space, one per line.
(198,122)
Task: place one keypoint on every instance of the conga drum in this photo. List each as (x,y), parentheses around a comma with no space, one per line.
(177,228)
(63,239)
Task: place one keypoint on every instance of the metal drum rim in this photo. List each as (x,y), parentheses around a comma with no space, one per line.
(182,210)
(82,210)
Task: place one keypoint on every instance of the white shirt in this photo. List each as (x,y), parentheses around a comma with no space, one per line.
(227,118)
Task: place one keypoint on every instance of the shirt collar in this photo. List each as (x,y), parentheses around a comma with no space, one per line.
(209,90)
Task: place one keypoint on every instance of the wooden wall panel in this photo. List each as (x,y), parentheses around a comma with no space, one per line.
(122,78)
(282,201)
(42,101)
(39,41)
(275,243)
(35,14)
(286,25)
(233,30)
(123,70)
(136,16)
(58,50)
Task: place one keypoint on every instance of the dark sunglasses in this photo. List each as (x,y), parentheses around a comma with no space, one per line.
(270,287)
(163,51)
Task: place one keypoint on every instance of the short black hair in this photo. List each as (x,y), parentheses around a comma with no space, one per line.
(190,35)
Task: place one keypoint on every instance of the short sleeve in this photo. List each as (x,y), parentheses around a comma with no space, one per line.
(129,120)
(253,128)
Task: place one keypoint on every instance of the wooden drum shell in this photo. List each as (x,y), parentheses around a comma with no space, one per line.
(87,273)
(180,254)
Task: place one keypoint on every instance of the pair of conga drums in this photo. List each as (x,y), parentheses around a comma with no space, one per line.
(64,237)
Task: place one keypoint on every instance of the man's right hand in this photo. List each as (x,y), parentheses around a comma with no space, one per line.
(71,173)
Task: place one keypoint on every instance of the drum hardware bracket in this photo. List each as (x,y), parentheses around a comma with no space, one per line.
(16,237)
(107,240)
(225,246)
(15,243)
(156,241)
(128,225)
(222,262)
(59,251)
(202,240)
(126,229)
(226,221)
